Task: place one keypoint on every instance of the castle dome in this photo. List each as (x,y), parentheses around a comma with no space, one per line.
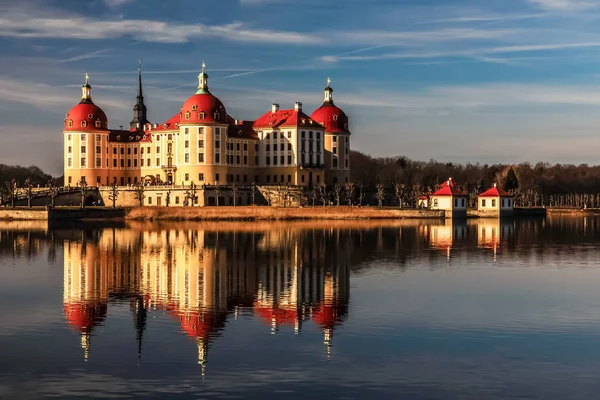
(203,107)
(86,116)
(333,118)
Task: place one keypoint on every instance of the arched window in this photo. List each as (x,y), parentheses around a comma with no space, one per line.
(98,124)
(83,123)
(217,116)
(70,123)
(200,115)
(187,115)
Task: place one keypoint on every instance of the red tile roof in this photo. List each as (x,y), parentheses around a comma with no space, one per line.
(281,118)
(241,129)
(495,192)
(332,118)
(449,189)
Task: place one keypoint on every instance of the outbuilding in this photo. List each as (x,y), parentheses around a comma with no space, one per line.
(451,199)
(495,202)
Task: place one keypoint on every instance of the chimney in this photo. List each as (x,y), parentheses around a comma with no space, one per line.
(298,106)
(274,108)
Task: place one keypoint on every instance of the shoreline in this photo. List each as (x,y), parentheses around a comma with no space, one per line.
(253,213)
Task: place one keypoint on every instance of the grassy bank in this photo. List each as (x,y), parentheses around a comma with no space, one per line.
(251,213)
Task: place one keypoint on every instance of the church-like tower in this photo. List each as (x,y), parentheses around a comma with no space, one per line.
(140,117)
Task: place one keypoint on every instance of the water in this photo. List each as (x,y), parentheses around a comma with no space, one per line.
(303,310)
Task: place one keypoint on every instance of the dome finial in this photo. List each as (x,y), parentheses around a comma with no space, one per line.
(328,93)
(86,90)
(203,81)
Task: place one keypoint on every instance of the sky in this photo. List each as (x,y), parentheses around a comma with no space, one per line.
(462,81)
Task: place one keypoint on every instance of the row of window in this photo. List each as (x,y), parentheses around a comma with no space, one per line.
(201,115)
(505,202)
(84,124)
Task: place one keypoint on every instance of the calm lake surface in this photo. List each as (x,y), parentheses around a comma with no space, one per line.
(301,310)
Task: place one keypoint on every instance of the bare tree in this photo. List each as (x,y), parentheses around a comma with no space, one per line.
(28,187)
(217,192)
(53,191)
(350,192)
(12,188)
(323,194)
(113,193)
(400,193)
(314,194)
(253,192)
(139,192)
(380,194)
(269,197)
(286,194)
(337,191)
(168,197)
(361,195)
(191,193)
(235,190)
(82,186)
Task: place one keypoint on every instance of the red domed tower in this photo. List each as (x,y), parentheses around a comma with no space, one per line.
(85,132)
(337,139)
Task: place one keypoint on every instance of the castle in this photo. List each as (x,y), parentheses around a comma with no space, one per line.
(205,145)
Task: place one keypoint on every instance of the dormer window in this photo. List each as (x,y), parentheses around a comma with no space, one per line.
(335,117)
(187,115)
(83,123)
(90,116)
(217,116)
(346,125)
(194,107)
(98,124)
(200,115)
(106,125)
(164,126)
(70,123)
(118,137)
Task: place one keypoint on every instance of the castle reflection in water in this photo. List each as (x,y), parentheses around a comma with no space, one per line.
(284,274)
(202,277)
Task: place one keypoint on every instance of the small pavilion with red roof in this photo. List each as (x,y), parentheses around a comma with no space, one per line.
(450,198)
(495,202)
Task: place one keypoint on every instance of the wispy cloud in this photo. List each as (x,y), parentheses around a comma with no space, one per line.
(117,3)
(21,26)
(565,5)
(86,56)
(44,96)
(478,53)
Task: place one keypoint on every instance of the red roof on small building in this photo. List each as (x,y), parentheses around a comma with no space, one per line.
(449,189)
(495,192)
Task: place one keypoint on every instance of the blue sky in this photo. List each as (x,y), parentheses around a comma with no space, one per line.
(466,80)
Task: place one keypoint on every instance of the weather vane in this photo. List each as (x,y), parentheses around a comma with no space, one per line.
(87,78)
(203,66)
(328,81)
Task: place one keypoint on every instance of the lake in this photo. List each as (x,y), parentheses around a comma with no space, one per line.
(301,310)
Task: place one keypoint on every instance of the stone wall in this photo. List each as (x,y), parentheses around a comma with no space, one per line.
(23,214)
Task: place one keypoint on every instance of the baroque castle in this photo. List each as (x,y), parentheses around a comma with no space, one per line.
(204,144)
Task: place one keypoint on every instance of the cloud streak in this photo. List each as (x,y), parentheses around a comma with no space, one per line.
(82,28)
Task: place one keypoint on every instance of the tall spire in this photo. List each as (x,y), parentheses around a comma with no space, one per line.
(328,93)
(86,90)
(140,117)
(203,81)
